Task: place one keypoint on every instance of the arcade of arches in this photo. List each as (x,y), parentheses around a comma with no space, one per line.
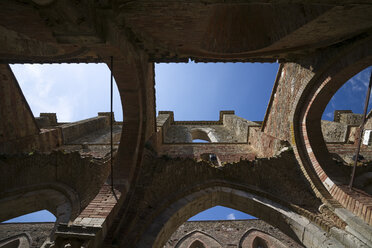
(281,170)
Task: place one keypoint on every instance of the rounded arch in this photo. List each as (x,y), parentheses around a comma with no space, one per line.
(22,240)
(200,238)
(134,78)
(308,142)
(58,199)
(200,134)
(290,223)
(206,134)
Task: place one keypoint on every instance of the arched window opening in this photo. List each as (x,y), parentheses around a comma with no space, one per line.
(174,227)
(341,122)
(199,136)
(221,227)
(200,141)
(22,240)
(205,228)
(38,216)
(259,243)
(195,239)
(197,244)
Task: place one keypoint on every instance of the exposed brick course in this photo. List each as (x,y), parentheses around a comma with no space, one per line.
(295,190)
(228,233)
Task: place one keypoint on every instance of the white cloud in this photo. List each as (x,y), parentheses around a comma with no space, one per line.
(74,92)
(329,114)
(231,216)
(360,81)
(356,85)
(34,74)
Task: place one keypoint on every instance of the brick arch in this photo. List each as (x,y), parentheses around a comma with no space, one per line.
(197,236)
(134,78)
(58,199)
(22,240)
(307,139)
(255,237)
(290,223)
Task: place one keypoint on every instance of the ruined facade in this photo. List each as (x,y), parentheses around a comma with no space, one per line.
(161,178)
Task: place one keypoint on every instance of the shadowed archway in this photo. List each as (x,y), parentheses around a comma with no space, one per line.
(290,223)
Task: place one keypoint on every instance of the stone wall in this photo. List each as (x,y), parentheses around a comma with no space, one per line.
(228,234)
(238,125)
(289,80)
(187,133)
(335,131)
(164,180)
(44,141)
(350,118)
(225,152)
(17,120)
(228,129)
(83,175)
(18,129)
(36,232)
(264,144)
(347,151)
(75,130)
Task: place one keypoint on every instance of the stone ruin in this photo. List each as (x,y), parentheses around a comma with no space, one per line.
(291,170)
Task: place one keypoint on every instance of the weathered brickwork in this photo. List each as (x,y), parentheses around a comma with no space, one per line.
(228,129)
(347,151)
(335,131)
(291,77)
(264,144)
(17,120)
(99,208)
(84,175)
(233,233)
(34,233)
(44,141)
(310,148)
(297,185)
(73,131)
(187,174)
(225,152)
(221,233)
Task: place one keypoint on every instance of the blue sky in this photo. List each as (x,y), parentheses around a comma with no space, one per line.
(198,91)
(73,91)
(194,91)
(351,95)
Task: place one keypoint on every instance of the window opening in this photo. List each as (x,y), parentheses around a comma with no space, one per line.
(73,91)
(341,122)
(38,216)
(198,91)
(200,141)
(221,213)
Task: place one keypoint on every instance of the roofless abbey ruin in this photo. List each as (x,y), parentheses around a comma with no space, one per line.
(291,170)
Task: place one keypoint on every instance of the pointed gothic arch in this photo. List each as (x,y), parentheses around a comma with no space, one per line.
(197,244)
(245,200)
(197,239)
